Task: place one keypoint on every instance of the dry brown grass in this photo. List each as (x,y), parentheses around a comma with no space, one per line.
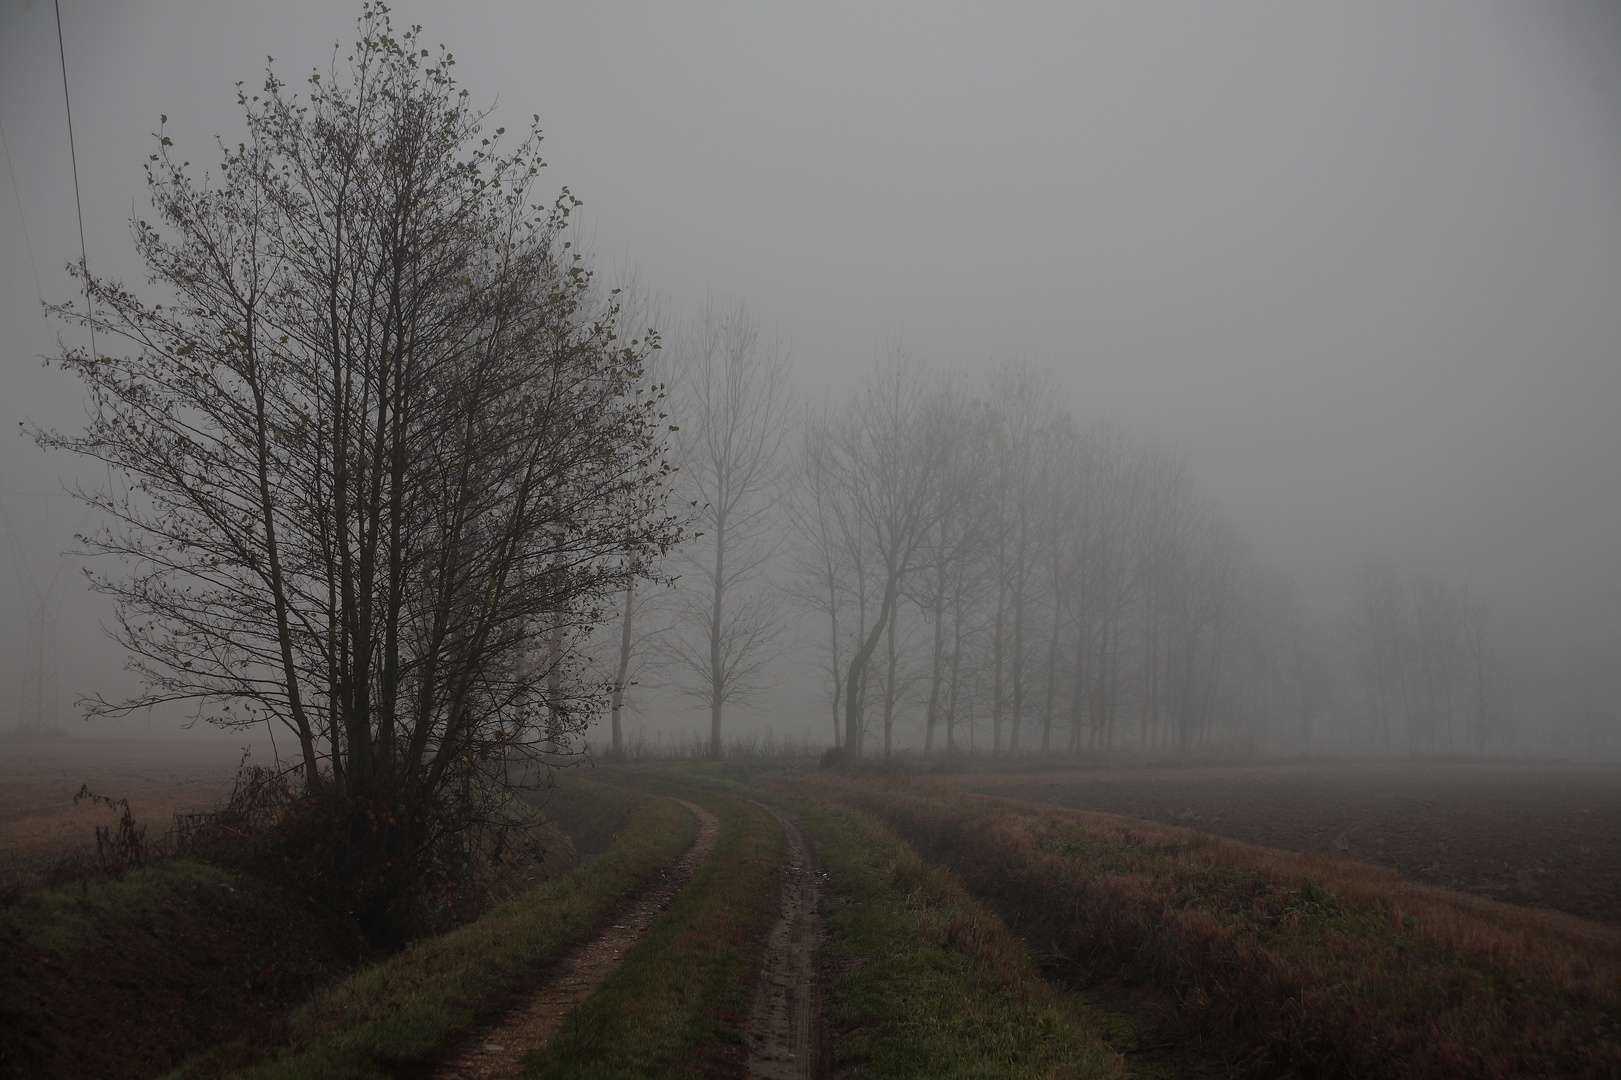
(1300,964)
(960,923)
(41,825)
(1535,834)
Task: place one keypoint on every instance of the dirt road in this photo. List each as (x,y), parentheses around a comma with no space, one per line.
(786,1038)
(495,1051)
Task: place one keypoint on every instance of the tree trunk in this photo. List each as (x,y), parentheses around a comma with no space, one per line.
(853,720)
(889,690)
(956,669)
(717,675)
(936,665)
(996,667)
(838,695)
(618,699)
(1052,677)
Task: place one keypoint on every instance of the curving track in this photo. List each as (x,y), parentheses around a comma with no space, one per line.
(495,1051)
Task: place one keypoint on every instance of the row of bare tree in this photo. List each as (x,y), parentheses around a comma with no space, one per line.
(1432,680)
(968,564)
(983,559)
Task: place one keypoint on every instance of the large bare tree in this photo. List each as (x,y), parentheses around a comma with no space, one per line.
(731,407)
(886,461)
(825,554)
(1021,399)
(639,316)
(954,554)
(387,462)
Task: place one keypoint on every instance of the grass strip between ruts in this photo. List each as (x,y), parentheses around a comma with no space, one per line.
(406,1007)
(927,982)
(677,1007)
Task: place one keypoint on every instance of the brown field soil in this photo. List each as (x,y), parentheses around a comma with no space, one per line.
(39,823)
(1543,835)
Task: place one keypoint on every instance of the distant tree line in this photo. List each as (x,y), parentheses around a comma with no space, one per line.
(973,570)
(1027,585)
(1432,678)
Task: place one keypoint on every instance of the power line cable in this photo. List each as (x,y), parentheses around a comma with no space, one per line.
(84,265)
(78,203)
(73,153)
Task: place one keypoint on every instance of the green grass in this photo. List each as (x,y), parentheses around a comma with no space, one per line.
(405,1008)
(125,977)
(65,918)
(677,1007)
(591,815)
(929,984)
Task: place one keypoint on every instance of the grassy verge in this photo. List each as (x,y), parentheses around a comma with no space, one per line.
(928,982)
(591,816)
(1291,964)
(125,977)
(677,1006)
(406,1007)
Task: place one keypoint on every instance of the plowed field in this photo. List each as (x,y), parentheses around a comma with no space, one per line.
(1538,835)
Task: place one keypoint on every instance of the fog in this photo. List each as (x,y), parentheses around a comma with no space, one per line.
(1361,266)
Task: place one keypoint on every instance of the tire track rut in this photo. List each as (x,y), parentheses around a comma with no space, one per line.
(495,1050)
(785,1033)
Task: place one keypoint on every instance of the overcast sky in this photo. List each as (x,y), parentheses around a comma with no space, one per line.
(1362,261)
